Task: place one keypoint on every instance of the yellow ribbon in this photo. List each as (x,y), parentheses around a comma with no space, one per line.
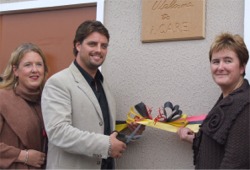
(120,127)
(168,126)
(135,115)
(132,114)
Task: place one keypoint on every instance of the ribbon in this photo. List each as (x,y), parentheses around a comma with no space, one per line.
(191,122)
(120,125)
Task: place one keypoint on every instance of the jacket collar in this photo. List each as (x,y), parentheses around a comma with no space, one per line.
(229,99)
(83,85)
(220,119)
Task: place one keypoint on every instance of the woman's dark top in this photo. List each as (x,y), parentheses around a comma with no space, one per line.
(223,139)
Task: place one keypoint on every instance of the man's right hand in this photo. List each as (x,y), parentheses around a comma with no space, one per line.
(117,147)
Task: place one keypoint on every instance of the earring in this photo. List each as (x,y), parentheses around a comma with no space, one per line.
(16,82)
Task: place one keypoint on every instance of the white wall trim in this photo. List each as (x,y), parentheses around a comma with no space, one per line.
(247,34)
(42,4)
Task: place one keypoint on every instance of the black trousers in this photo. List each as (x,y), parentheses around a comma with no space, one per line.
(108,163)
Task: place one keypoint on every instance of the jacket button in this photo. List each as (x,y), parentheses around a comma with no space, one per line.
(100,123)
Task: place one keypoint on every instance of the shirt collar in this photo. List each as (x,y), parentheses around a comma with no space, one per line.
(89,79)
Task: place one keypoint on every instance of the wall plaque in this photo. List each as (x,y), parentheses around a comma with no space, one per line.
(165,20)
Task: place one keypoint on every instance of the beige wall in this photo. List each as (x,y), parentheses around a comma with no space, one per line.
(176,71)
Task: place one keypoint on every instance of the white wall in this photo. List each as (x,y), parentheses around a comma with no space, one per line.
(247,33)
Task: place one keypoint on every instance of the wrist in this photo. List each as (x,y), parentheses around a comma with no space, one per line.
(26,156)
(21,156)
(109,148)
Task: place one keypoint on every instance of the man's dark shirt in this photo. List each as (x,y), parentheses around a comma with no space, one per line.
(96,85)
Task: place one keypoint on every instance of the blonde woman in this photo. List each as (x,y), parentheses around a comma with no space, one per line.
(23,141)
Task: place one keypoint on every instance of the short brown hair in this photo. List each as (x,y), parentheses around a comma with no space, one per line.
(231,42)
(85,29)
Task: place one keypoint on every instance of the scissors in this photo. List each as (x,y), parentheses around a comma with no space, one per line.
(127,138)
(145,113)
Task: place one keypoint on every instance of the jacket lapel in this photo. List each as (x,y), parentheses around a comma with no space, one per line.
(83,85)
(21,122)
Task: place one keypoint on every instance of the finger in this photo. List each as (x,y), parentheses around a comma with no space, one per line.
(42,158)
(119,155)
(37,165)
(142,127)
(40,161)
(114,133)
(179,131)
(131,126)
(124,146)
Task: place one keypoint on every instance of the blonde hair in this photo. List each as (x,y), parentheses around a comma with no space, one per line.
(8,76)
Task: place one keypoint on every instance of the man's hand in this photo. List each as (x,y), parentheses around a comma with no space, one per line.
(117,147)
